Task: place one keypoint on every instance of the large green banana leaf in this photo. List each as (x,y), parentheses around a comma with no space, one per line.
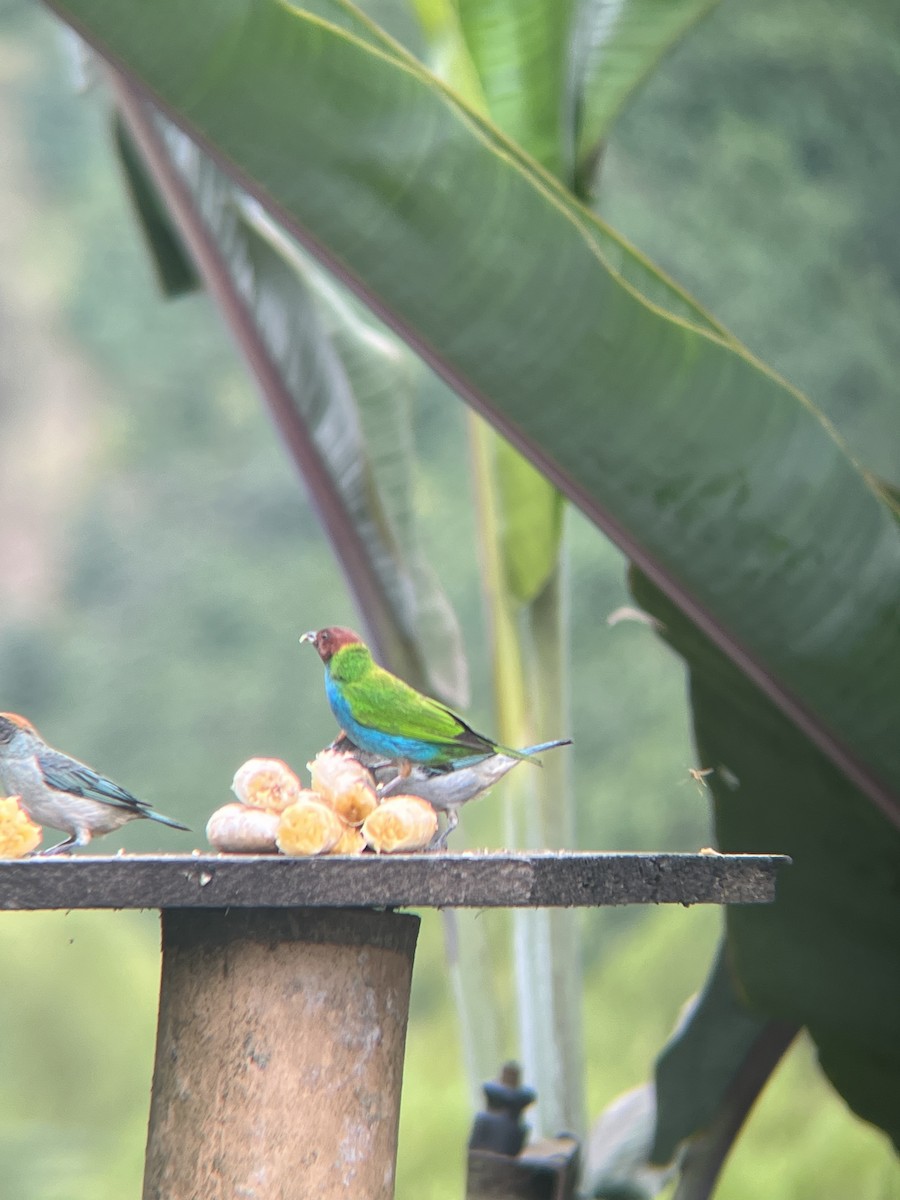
(520,50)
(714,475)
(825,954)
(616,46)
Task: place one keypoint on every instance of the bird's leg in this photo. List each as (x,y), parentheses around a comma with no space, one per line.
(73,839)
(439,841)
(391,786)
(404,767)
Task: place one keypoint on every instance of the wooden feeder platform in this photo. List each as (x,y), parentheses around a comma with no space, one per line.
(285,986)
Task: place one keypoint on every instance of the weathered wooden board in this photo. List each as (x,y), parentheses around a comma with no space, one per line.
(482,880)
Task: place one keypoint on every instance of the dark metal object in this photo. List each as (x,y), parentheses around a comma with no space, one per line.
(501,1129)
(502,879)
(545,1170)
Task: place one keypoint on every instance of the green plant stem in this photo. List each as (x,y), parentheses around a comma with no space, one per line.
(530,687)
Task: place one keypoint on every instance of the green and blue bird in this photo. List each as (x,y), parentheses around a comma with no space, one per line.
(383,715)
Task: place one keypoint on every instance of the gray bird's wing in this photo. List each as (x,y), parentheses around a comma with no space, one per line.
(68,775)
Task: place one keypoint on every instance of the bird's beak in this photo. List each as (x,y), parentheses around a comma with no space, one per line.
(310,636)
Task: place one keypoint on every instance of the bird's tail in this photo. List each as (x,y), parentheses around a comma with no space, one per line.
(542,746)
(530,751)
(163,820)
(528,754)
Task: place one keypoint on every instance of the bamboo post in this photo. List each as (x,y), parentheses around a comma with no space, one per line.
(279,1054)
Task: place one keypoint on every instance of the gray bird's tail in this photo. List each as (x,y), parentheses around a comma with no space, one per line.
(542,746)
(530,751)
(163,820)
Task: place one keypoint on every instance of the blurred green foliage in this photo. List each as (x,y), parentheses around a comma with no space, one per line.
(159,561)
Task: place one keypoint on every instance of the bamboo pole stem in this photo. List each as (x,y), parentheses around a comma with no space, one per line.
(279,1054)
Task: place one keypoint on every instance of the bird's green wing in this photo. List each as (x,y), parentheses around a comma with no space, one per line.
(381,701)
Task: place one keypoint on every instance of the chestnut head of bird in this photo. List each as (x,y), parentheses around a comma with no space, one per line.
(15,728)
(328,641)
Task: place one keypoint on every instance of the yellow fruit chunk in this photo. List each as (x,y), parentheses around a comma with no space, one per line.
(332,773)
(242,830)
(352,842)
(400,823)
(19,835)
(345,784)
(309,827)
(355,803)
(266,783)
